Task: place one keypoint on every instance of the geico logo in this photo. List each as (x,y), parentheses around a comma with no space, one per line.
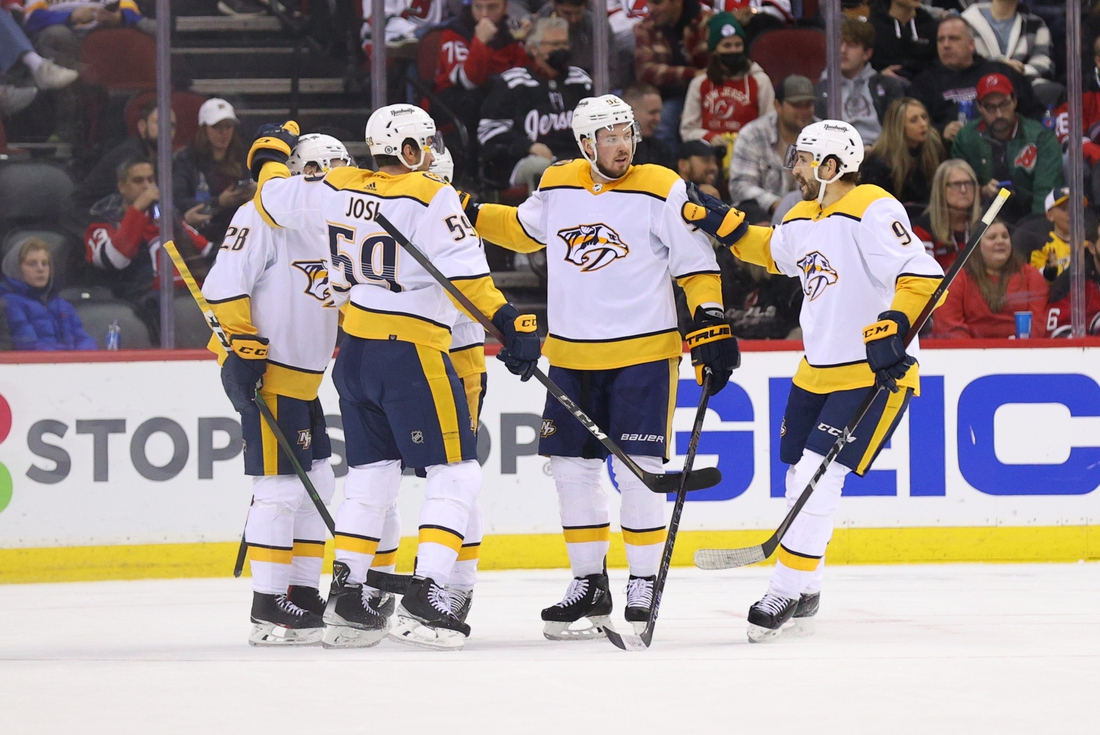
(43,435)
(642,438)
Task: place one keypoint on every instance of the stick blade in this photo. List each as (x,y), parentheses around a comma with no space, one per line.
(729,558)
(697,480)
(628,642)
(397,584)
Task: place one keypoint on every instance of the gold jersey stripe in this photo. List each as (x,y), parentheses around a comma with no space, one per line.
(292,382)
(500,225)
(435,370)
(482,292)
(417,185)
(469,552)
(644,538)
(796,561)
(370,324)
(587,534)
(468,361)
(612,354)
(846,377)
(356,544)
(895,404)
(314,549)
(701,288)
(384,559)
(269,555)
(442,536)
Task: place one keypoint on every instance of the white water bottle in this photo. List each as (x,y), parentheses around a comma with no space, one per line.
(114,334)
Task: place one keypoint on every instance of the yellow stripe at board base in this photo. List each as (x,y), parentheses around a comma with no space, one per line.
(994,544)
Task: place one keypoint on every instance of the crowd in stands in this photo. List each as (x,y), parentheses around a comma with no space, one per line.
(954,100)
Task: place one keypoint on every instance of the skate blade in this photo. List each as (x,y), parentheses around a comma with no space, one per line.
(800,628)
(639,626)
(760,634)
(344,636)
(556,631)
(269,634)
(412,632)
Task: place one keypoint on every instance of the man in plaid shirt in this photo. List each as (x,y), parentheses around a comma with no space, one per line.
(757,178)
(670,50)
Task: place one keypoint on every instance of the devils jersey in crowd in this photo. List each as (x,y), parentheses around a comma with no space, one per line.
(467,62)
(525,108)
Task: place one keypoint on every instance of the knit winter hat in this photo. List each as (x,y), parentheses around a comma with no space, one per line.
(722,26)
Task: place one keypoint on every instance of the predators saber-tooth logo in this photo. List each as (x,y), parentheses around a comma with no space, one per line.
(317,273)
(593,246)
(817,274)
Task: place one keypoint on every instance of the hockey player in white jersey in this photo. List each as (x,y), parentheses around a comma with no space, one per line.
(615,241)
(866,277)
(269,289)
(400,399)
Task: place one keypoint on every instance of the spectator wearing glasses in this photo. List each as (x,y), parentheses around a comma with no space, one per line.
(952,212)
(1007,149)
(905,158)
(994,284)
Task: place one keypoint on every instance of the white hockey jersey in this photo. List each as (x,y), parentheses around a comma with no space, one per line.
(855,259)
(390,296)
(612,250)
(274,282)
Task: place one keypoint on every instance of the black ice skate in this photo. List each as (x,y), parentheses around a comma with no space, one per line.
(639,600)
(276,621)
(307,598)
(424,618)
(350,621)
(804,613)
(461,601)
(767,617)
(587,597)
(384,603)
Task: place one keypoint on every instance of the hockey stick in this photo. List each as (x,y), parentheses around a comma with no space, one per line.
(663,484)
(386,582)
(731,558)
(641,642)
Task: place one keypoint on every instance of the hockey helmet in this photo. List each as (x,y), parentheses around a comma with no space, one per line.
(389,127)
(827,138)
(599,113)
(443,166)
(317,149)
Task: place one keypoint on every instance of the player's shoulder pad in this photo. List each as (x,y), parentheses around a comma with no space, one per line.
(858,200)
(563,174)
(518,77)
(649,178)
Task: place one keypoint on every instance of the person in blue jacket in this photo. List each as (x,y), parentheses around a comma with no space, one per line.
(38,319)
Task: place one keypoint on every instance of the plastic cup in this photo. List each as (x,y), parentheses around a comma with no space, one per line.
(1023,325)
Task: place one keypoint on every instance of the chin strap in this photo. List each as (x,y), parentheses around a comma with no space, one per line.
(824,183)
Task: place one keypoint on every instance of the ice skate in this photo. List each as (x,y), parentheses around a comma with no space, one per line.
(587,597)
(767,617)
(384,603)
(803,618)
(276,621)
(307,598)
(424,618)
(461,601)
(350,621)
(639,601)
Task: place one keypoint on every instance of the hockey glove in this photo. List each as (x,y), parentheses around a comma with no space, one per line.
(469,207)
(273,142)
(713,347)
(521,350)
(243,368)
(885,341)
(714,217)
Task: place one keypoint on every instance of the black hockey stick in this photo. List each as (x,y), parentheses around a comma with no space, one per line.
(669,483)
(280,438)
(641,642)
(730,558)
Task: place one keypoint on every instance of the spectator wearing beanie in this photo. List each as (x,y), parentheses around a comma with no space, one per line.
(734,91)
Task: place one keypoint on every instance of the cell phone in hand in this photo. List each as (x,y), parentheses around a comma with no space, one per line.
(243,183)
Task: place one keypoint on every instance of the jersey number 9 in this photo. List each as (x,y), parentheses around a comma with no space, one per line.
(377,258)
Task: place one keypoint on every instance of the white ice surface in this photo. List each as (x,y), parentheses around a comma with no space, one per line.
(968,649)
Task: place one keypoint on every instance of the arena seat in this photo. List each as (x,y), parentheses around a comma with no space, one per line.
(786,51)
(115,64)
(32,193)
(97,309)
(192,331)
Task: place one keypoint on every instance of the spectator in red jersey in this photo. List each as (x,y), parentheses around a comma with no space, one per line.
(906,156)
(1059,315)
(475,45)
(994,284)
(123,241)
(670,49)
(1090,121)
(952,212)
(734,91)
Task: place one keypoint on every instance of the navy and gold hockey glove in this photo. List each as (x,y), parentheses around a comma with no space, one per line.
(469,207)
(273,142)
(885,341)
(243,369)
(522,348)
(714,217)
(714,347)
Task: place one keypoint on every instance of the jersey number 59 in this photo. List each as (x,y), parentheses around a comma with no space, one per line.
(376,260)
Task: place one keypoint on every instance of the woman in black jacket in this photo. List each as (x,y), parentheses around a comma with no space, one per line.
(906,155)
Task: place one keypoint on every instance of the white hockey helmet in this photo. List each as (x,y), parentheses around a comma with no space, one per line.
(598,113)
(827,138)
(389,127)
(443,166)
(317,149)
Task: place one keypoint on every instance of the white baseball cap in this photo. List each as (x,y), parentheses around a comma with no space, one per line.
(214,110)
